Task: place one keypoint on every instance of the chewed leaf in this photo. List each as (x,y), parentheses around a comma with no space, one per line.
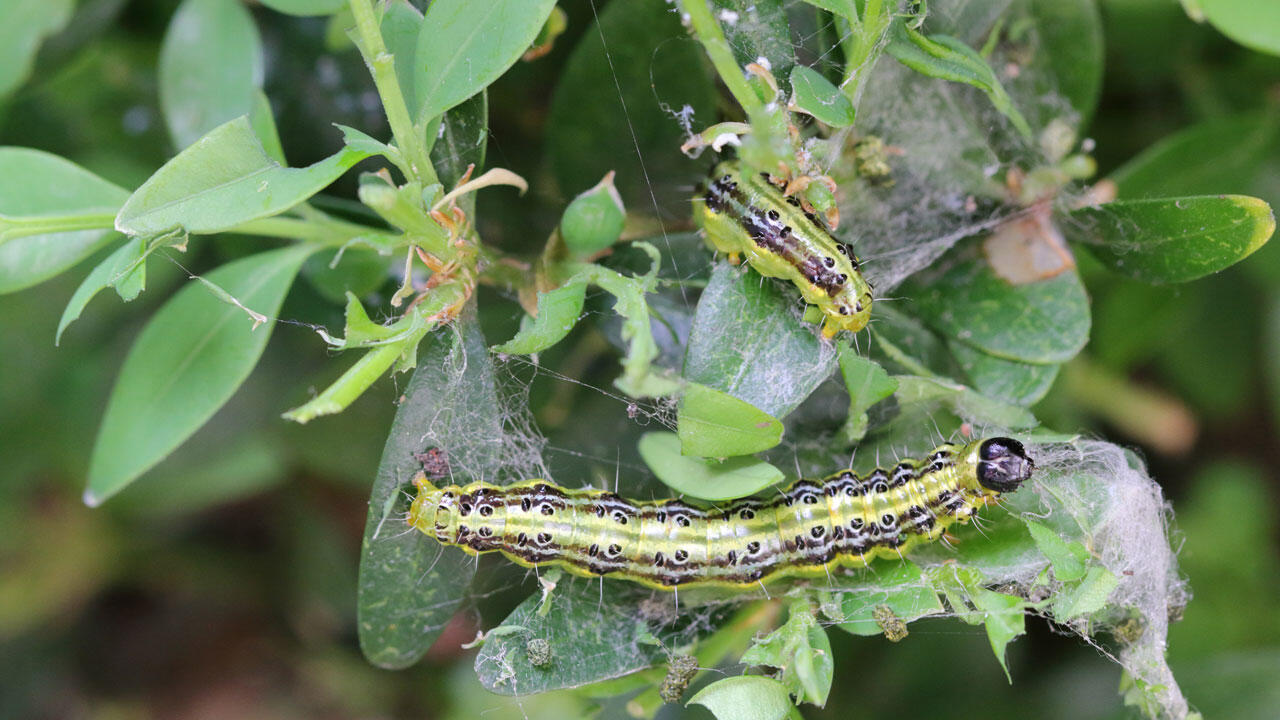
(558,312)
(701,477)
(801,651)
(124,269)
(901,589)
(716,424)
(1067,558)
(594,632)
(1172,240)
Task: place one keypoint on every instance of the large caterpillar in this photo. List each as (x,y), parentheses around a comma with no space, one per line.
(843,520)
(745,214)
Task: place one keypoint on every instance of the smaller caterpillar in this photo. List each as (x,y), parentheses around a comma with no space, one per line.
(746,214)
(843,520)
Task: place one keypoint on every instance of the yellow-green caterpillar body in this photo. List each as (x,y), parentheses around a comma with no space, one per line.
(843,520)
(745,214)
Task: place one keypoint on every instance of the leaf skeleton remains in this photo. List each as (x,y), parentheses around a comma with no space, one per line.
(746,214)
(843,520)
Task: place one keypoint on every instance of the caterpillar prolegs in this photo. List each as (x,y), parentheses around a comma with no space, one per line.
(745,214)
(843,520)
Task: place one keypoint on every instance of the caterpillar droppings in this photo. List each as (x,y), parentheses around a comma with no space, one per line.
(843,520)
(745,214)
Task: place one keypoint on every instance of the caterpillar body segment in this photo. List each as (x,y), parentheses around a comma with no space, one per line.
(744,214)
(810,528)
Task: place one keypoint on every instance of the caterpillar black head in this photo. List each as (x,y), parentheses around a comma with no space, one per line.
(1003,464)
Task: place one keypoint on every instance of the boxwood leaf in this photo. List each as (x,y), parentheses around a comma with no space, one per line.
(1171,240)
(595,632)
(705,478)
(409,584)
(225,179)
(745,697)
(124,269)
(463,46)
(1040,322)
(186,363)
(713,423)
(747,342)
(210,67)
(813,94)
(558,311)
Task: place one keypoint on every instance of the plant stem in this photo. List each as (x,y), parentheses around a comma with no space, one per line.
(382,67)
(708,32)
(863,49)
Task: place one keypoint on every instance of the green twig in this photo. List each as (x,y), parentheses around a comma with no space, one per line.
(382,67)
(708,32)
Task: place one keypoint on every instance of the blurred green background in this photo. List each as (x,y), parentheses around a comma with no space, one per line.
(223,583)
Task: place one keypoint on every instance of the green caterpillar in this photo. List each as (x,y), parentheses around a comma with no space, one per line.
(745,214)
(842,520)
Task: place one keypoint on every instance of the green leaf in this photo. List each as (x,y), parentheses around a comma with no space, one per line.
(1004,619)
(868,384)
(1011,381)
(464,46)
(409,585)
(964,402)
(947,58)
(843,8)
(651,63)
(225,179)
(305,8)
(713,423)
(1252,24)
(1088,596)
(210,67)
(1040,322)
(1068,558)
(35,184)
(901,588)
(1070,34)
(124,269)
(23,25)
(558,311)
(1214,156)
(263,123)
(462,142)
(813,94)
(746,342)
(186,363)
(746,697)
(701,477)
(1173,240)
(640,377)
(595,632)
(802,651)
